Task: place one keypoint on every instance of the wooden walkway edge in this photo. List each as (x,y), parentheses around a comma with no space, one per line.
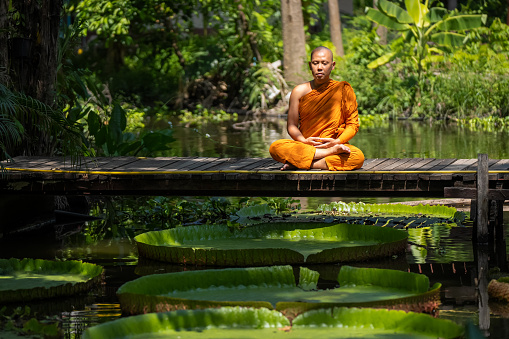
(200,176)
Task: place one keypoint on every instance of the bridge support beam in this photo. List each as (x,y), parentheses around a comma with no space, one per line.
(483,205)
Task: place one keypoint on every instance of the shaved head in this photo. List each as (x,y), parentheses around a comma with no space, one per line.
(321,49)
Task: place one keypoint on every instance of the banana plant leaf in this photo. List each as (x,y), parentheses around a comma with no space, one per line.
(29,279)
(275,287)
(237,322)
(270,244)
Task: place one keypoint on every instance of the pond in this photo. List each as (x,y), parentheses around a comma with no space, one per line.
(442,252)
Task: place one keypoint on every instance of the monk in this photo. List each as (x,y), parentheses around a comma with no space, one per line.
(322,119)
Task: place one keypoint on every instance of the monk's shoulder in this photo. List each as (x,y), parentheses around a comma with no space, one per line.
(344,85)
(300,90)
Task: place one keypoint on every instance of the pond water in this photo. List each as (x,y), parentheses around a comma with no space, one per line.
(442,252)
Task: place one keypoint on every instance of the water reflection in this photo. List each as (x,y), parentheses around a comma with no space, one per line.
(396,139)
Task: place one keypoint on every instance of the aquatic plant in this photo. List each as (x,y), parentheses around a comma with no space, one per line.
(28,279)
(270,244)
(353,208)
(275,288)
(237,322)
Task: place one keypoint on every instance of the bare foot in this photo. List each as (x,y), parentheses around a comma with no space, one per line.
(287,167)
(341,148)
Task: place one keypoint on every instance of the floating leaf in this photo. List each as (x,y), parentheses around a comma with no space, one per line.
(270,244)
(28,279)
(275,286)
(235,322)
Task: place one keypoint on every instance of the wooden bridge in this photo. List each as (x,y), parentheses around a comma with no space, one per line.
(484,181)
(199,176)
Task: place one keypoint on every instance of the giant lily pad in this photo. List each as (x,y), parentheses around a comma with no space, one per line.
(275,287)
(28,279)
(236,322)
(270,244)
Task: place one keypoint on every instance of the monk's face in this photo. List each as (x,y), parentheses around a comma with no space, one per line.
(321,66)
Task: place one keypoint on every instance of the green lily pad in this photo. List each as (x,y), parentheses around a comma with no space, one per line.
(275,287)
(28,279)
(270,244)
(236,322)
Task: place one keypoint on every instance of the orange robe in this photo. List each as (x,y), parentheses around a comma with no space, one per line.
(329,111)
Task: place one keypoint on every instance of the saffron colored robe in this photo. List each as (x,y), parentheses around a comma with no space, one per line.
(329,111)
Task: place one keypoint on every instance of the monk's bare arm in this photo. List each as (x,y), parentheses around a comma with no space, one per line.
(292,124)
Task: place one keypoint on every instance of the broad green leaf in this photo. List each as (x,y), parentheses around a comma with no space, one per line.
(377,321)
(27,279)
(236,322)
(382,19)
(157,141)
(382,60)
(395,12)
(353,208)
(117,123)
(437,13)
(461,22)
(94,123)
(270,243)
(417,11)
(274,286)
(354,276)
(448,39)
(255,211)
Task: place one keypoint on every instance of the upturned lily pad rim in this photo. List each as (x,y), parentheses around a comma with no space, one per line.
(92,273)
(176,245)
(149,293)
(252,319)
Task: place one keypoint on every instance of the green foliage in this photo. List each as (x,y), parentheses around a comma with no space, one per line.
(110,139)
(426,33)
(203,115)
(18,112)
(152,51)
(353,208)
(21,322)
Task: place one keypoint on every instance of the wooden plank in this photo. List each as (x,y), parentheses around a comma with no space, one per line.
(25,162)
(110,164)
(473,166)
(382,166)
(147,164)
(234,164)
(272,166)
(399,163)
(373,163)
(459,165)
(471,193)
(366,163)
(214,165)
(182,164)
(419,164)
(442,163)
(427,166)
(256,162)
(502,165)
(261,165)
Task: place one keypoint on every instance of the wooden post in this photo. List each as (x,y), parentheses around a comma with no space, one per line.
(482,213)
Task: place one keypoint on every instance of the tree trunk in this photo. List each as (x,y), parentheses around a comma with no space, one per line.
(33,68)
(4,24)
(335,27)
(294,41)
(37,72)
